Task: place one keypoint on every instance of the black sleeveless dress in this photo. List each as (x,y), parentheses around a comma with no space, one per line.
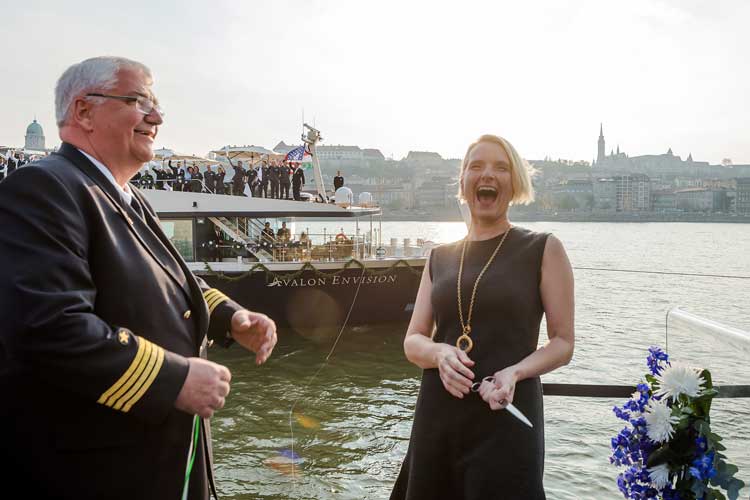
(460,449)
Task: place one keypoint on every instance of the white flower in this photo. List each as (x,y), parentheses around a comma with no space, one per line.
(659,421)
(679,379)
(659,476)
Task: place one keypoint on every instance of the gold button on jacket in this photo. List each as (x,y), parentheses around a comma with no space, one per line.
(187,314)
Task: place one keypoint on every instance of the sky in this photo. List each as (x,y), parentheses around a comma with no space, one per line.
(405,75)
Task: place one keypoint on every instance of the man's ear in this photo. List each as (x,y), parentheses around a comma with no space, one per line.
(82,113)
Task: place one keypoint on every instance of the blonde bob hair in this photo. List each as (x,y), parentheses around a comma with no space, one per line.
(520,170)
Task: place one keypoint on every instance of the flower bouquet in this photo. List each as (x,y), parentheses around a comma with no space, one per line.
(668,449)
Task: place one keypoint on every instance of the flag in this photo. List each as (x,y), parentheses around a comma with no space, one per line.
(297,154)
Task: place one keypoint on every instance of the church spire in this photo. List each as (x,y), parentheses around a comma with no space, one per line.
(600,150)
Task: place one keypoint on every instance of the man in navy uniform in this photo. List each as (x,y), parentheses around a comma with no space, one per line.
(265,179)
(106,392)
(298,180)
(274,175)
(284,181)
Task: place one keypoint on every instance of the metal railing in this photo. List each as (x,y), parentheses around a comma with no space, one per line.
(714,333)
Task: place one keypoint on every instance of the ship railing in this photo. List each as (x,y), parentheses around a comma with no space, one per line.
(723,351)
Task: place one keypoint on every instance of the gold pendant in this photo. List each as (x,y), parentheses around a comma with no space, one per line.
(464,343)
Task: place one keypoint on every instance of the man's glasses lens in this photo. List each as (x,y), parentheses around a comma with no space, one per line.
(146,106)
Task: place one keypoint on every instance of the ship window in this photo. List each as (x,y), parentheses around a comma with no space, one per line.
(180,233)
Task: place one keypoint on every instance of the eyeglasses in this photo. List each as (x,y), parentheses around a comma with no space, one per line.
(143,104)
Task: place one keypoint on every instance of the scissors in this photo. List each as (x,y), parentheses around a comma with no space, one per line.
(512,409)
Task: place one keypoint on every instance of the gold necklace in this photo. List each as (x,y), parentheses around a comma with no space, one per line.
(464,342)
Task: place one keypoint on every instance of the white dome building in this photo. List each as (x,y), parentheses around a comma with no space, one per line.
(34,137)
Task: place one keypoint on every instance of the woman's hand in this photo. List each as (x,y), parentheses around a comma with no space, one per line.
(453,365)
(499,393)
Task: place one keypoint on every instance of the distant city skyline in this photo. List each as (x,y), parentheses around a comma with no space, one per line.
(407,76)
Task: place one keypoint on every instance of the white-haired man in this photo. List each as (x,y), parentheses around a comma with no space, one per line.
(104,332)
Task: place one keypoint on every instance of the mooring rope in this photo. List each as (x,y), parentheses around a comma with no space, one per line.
(320,369)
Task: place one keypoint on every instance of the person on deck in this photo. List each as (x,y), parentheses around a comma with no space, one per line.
(220,174)
(210,179)
(284,181)
(298,180)
(274,174)
(283,235)
(338,181)
(485,295)
(265,178)
(238,180)
(103,375)
(266,236)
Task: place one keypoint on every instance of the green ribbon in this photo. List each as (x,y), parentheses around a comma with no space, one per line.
(191,460)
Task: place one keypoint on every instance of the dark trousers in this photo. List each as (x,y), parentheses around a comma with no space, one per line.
(263,189)
(296,188)
(274,189)
(285,190)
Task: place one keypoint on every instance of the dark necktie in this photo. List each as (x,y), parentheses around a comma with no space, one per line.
(136,206)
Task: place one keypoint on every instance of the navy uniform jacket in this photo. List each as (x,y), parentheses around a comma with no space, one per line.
(98,315)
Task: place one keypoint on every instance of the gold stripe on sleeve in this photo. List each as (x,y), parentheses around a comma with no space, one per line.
(148,382)
(135,387)
(215,302)
(137,373)
(210,293)
(125,376)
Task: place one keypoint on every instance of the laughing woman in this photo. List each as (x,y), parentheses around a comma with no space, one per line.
(484,297)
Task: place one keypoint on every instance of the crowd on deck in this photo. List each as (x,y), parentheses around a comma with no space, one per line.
(12,160)
(266,179)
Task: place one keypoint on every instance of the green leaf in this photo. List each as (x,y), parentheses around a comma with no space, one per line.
(698,489)
(730,469)
(733,491)
(715,495)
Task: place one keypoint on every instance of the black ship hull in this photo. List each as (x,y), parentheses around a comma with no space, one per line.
(307,298)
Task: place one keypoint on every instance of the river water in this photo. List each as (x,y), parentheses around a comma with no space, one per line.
(353,414)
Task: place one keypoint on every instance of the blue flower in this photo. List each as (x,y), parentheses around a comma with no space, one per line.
(703,467)
(655,358)
(701,444)
(620,413)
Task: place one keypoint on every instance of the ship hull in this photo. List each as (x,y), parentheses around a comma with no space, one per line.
(326,296)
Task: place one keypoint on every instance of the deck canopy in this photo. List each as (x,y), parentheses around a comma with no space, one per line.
(250,154)
(190,159)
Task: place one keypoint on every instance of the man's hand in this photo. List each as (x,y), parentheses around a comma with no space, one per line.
(255,332)
(205,387)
